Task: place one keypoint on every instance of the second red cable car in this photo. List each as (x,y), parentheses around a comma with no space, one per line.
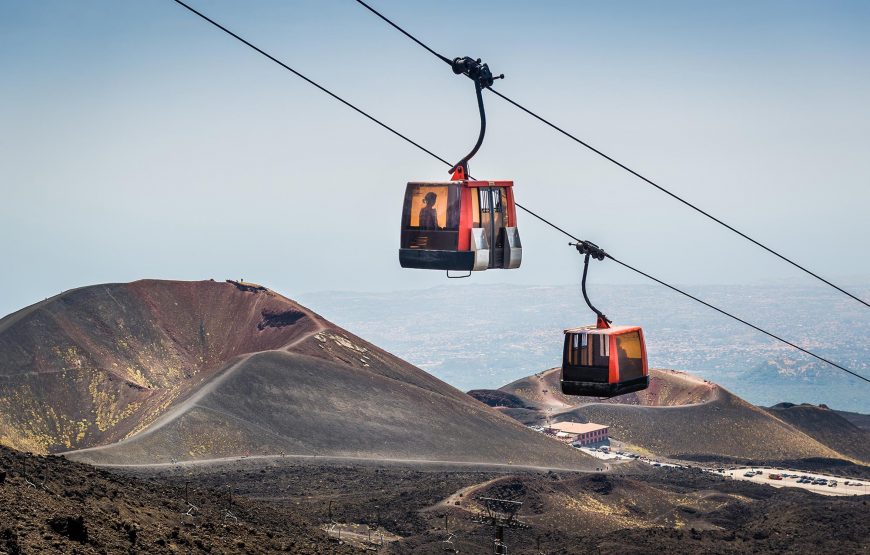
(604,361)
(600,360)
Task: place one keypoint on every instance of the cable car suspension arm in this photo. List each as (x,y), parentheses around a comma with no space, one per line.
(483,78)
(471,68)
(591,250)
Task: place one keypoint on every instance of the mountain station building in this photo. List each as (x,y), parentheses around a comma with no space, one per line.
(579,435)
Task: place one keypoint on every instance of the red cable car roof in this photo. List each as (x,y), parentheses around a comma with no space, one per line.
(500,183)
(613,330)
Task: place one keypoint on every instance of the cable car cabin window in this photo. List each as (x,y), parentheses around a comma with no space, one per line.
(503,201)
(430,218)
(577,348)
(630,353)
(586,357)
(588,350)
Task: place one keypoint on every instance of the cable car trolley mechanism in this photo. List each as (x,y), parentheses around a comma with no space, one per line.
(465,224)
(602,360)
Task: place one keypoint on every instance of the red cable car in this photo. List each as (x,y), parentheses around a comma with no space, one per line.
(604,361)
(465,224)
(460,225)
(600,360)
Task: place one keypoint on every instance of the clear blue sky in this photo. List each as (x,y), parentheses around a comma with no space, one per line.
(138,141)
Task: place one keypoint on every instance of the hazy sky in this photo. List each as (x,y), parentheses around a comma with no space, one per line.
(138,141)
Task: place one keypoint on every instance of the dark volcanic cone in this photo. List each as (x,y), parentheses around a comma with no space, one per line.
(826,426)
(679,415)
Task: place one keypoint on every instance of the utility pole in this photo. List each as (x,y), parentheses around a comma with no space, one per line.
(500,514)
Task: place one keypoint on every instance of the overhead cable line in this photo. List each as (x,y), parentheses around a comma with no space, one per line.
(309,81)
(621,165)
(541,218)
(690,296)
(741,320)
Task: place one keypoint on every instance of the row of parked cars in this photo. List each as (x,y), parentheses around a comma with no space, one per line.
(802,479)
(816,481)
(820,481)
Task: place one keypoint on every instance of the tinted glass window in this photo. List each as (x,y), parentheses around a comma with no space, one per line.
(504,203)
(630,353)
(433,206)
(430,218)
(591,350)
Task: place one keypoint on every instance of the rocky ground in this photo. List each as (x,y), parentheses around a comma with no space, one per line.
(635,510)
(50,505)
(285,505)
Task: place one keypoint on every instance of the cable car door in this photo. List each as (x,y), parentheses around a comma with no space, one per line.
(492,221)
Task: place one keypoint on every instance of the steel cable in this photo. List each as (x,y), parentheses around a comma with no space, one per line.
(623,166)
(541,218)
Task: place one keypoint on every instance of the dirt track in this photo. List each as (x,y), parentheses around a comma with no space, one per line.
(459,466)
(210,385)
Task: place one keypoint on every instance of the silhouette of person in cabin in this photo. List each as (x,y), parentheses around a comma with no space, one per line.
(627,364)
(621,354)
(428,214)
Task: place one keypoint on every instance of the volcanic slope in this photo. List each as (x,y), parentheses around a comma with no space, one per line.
(52,505)
(860,420)
(828,427)
(154,371)
(678,416)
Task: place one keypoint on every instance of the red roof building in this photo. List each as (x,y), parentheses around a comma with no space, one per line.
(579,434)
